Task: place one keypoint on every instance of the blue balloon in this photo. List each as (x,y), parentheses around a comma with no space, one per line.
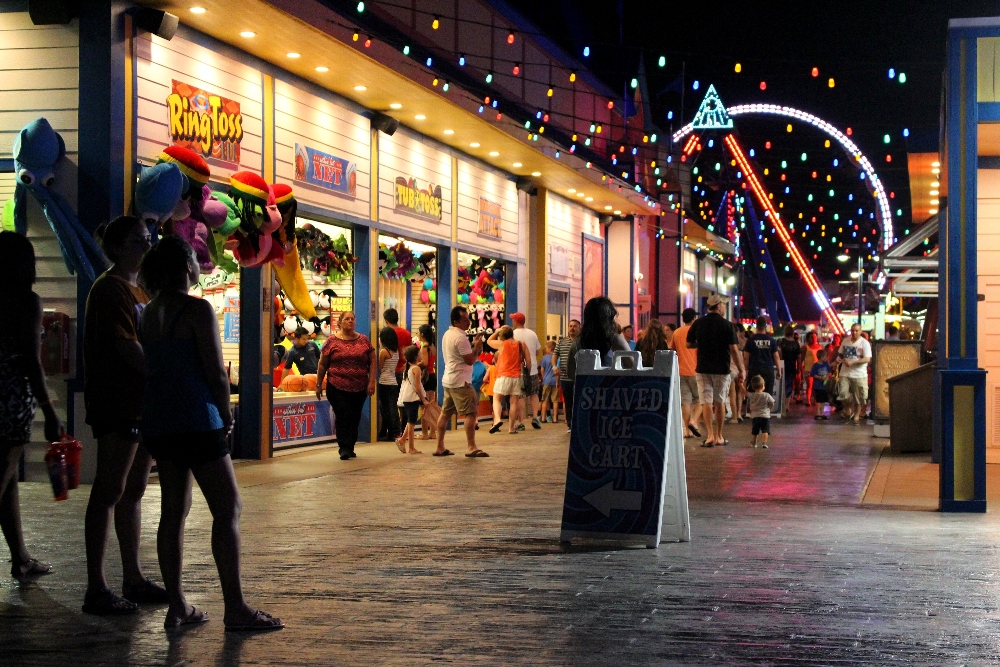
(428,283)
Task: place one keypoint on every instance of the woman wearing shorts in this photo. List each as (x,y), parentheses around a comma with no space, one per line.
(510,357)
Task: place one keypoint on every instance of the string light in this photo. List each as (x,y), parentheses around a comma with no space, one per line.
(738,68)
(510,37)
(406,50)
(436,23)
(572,77)
(361,8)
(461,60)
(662,62)
(586,52)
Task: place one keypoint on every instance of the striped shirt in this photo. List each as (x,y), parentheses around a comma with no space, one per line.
(563,348)
(387,375)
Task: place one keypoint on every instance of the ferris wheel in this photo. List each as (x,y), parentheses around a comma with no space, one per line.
(714,116)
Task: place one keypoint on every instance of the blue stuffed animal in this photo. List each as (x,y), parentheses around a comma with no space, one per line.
(37,149)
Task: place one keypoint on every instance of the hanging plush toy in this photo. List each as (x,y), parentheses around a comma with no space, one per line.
(324,326)
(289,271)
(37,150)
(432,316)
(158,195)
(481,311)
(325,299)
(203,211)
(259,218)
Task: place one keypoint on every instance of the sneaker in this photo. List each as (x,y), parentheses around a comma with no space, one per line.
(520,427)
(535,423)
(764,445)
(548,420)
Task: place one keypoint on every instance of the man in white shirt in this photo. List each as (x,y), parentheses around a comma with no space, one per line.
(522,334)
(459,397)
(855,353)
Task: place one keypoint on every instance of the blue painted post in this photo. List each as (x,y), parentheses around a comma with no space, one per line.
(251,400)
(445,297)
(510,291)
(364,306)
(960,383)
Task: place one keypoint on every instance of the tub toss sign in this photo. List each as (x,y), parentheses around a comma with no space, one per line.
(625,479)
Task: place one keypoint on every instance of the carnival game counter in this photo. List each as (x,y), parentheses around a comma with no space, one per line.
(298,420)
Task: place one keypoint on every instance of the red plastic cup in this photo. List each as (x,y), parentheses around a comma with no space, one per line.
(55,460)
(73,451)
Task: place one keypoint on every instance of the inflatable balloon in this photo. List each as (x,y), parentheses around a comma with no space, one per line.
(425,296)
(428,283)
(432,295)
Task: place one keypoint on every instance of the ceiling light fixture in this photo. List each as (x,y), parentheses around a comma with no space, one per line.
(474,144)
(516,165)
(420,116)
(494,153)
(536,173)
(197,10)
(360,89)
(293,54)
(571,190)
(589,199)
(449,131)
(248,34)
(321,68)
(607,208)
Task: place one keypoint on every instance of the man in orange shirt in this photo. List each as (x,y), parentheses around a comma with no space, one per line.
(687,360)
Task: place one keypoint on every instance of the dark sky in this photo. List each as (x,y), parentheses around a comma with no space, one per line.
(780,42)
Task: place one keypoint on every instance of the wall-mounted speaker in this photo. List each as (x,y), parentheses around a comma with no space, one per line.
(384,123)
(52,12)
(527,185)
(160,23)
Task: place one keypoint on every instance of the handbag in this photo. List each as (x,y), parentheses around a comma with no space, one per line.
(525,369)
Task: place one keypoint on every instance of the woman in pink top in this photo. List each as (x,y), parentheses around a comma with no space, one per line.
(348,365)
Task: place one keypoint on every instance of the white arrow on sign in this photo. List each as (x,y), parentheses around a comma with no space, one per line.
(607,498)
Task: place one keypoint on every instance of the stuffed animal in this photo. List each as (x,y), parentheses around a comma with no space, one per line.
(259,217)
(290,324)
(432,317)
(324,326)
(481,312)
(325,299)
(158,195)
(289,270)
(37,150)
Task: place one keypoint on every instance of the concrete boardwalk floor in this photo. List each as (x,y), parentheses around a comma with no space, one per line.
(410,560)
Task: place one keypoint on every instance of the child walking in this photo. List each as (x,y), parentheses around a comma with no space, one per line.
(820,373)
(411,397)
(550,392)
(759,404)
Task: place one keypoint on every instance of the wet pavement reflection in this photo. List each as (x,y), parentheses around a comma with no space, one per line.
(405,560)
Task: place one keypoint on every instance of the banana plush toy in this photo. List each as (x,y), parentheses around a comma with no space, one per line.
(290,274)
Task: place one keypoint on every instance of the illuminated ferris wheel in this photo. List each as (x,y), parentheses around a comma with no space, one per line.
(714,116)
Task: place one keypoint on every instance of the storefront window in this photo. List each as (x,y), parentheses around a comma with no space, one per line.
(482,288)
(407,281)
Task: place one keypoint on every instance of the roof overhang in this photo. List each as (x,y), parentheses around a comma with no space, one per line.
(310,29)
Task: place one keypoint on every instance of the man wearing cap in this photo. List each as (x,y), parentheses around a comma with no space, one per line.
(714,338)
(522,334)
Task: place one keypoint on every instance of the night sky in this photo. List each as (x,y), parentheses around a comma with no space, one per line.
(779,42)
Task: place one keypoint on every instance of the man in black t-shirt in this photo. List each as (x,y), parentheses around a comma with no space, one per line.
(761,355)
(714,338)
(790,350)
(303,354)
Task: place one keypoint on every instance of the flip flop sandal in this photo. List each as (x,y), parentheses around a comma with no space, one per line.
(478,454)
(196,617)
(446,452)
(496,427)
(145,593)
(400,446)
(108,603)
(695,432)
(261,622)
(31,568)
(708,444)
